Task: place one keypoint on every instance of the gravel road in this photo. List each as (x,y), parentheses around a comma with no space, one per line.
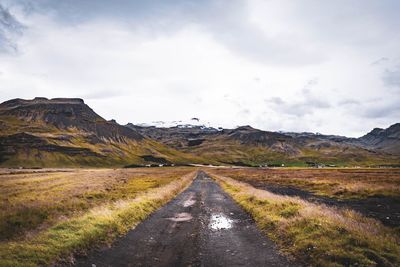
(202,226)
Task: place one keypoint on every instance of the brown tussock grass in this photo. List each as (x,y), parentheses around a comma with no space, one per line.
(314,234)
(339,183)
(31,202)
(99,225)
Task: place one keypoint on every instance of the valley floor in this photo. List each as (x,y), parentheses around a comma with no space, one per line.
(181,216)
(383,208)
(373,192)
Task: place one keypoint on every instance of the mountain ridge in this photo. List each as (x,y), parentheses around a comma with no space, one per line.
(387,140)
(66,132)
(65,113)
(266,145)
(369,140)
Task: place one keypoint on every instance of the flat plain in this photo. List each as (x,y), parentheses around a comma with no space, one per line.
(323,217)
(295,216)
(47,215)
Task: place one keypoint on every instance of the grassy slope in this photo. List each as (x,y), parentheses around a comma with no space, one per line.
(229,151)
(111,153)
(216,151)
(100,224)
(315,234)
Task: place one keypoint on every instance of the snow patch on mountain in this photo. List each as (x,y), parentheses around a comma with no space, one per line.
(190,123)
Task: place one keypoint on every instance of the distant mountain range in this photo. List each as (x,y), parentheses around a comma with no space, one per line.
(193,122)
(248,146)
(64,132)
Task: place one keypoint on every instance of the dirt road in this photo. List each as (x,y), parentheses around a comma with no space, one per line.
(202,226)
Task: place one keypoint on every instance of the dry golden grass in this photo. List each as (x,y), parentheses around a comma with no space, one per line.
(99,224)
(314,234)
(33,200)
(340,183)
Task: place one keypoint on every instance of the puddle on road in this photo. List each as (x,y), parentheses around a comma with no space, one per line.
(189,202)
(220,222)
(181,217)
(218,197)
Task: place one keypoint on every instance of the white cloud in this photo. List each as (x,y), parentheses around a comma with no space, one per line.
(214,60)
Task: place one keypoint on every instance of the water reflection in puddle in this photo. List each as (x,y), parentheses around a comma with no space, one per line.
(190,201)
(181,217)
(219,222)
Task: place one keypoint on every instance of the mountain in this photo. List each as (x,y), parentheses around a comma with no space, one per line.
(177,136)
(252,147)
(66,113)
(387,140)
(193,122)
(67,132)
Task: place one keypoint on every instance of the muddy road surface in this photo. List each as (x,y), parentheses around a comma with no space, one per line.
(202,226)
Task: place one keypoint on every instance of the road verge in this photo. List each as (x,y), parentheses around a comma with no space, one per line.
(314,234)
(100,225)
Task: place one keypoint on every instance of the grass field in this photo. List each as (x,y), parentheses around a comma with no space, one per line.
(47,215)
(317,235)
(337,183)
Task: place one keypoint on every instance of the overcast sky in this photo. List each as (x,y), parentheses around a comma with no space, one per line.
(322,66)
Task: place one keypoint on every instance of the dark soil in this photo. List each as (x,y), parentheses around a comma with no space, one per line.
(383,208)
(185,233)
